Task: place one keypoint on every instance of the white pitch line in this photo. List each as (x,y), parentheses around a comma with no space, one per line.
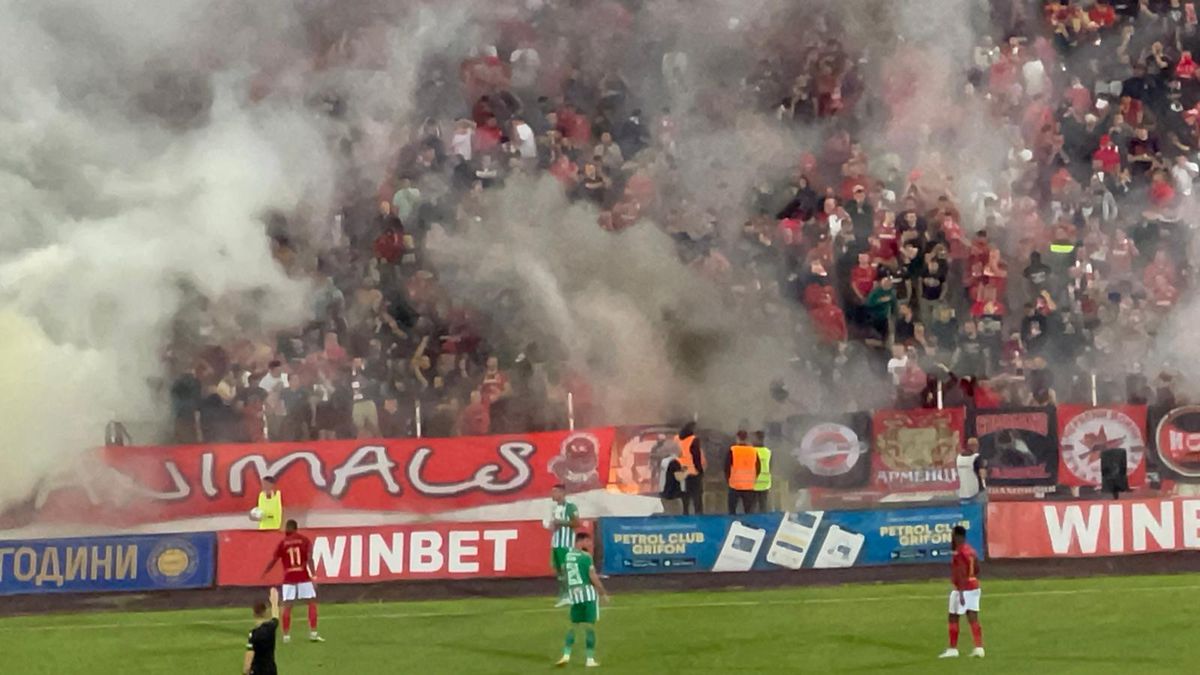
(548,610)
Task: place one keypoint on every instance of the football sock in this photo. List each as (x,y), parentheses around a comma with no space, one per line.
(590,642)
(569,642)
(287,619)
(562,585)
(312,617)
(977,634)
(953,634)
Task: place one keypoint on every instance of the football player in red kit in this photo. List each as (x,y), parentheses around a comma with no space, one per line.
(295,551)
(964,599)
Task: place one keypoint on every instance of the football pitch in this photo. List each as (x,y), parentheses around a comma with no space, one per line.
(1141,624)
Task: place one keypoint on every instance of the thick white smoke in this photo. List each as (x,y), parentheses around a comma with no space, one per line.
(134,174)
(140,158)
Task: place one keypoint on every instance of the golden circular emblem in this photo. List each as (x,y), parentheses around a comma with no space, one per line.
(173,562)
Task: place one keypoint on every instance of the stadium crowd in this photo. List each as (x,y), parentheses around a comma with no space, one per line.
(1040,282)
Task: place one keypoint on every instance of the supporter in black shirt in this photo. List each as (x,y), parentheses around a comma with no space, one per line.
(1037,274)
(861,213)
(803,204)
(904,327)
(260,646)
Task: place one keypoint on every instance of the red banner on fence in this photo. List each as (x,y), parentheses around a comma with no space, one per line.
(152,484)
(388,553)
(1085,433)
(636,458)
(1086,529)
(915,449)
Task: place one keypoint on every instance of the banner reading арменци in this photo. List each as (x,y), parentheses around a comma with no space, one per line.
(774,541)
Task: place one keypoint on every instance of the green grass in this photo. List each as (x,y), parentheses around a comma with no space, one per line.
(1101,625)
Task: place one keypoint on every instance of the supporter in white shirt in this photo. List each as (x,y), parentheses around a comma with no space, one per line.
(525,140)
(525,65)
(275,379)
(987,54)
(1034,75)
(1183,174)
(609,153)
(898,363)
(461,141)
(970,471)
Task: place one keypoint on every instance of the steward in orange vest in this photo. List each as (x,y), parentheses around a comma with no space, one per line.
(691,462)
(741,471)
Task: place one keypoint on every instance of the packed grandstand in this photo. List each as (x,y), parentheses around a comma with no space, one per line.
(1055,275)
(437,288)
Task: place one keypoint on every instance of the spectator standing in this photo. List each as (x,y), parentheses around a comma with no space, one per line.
(273,385)
(392,422)
(880,306)
(525,141)
(363,390)
(672,479)
(970,466)
(115,434)
(475,419)
(185,403)
(495,383)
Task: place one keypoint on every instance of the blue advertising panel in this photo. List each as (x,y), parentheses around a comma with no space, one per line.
(91,564)
(774,541)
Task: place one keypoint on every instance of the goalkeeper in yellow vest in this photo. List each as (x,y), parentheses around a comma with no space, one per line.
(585,592)
(270,505)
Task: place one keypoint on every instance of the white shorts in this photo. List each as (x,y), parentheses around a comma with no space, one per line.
(970,602)
(301,591)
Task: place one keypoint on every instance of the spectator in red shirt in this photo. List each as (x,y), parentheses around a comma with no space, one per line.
(389,245)
(574,127)
(488,136)
(1186,68)
(816,285)
(1102,14)
(1121,254)
(1108,155)
(1162,193)
(1079,96)
(1161,266)
(475,419)
(862,278)
(495,384)
(790,231)
(829,320)
(566,171)
(984,397)
(980,251)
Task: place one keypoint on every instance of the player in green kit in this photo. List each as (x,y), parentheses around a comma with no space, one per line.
(585,591)
(562,523)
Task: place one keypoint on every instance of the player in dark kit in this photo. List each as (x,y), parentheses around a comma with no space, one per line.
(295,552)
(964,599)
(260,647)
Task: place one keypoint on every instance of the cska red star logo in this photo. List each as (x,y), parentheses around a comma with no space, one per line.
(1088,434)
(1097,442)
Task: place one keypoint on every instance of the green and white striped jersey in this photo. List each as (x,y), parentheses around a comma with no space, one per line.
(579,577)
(564,535)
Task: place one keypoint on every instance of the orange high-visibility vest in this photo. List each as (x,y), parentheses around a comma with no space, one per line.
(742,471)
(685,455)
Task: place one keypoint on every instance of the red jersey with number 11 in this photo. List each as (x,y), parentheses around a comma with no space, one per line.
(964,568)
(294,552)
